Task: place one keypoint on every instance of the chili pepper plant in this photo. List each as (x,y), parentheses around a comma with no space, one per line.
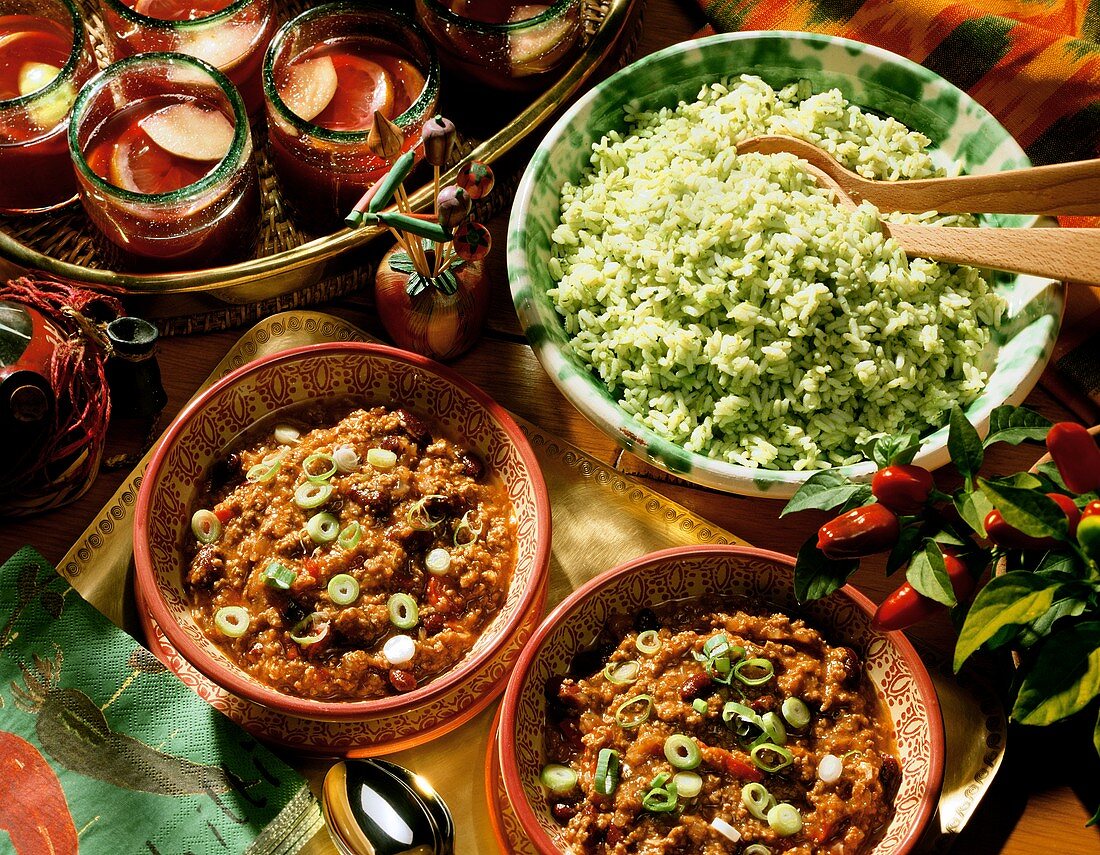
(431,293)
(1041,529)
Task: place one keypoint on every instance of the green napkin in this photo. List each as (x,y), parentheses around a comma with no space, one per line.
(101,746)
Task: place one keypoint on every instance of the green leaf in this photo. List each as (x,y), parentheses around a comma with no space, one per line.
(928,575)
(908,542)
(1014,599)
(1015,425)
(950,537)
(1050,470)
(1030,512)
(401,262)
(1096,744)
(824,490)
(816,576)
(964,444)
(1066,563)
(900,449)
(1064,678)
(973,507)
(1040,628)
(1023,480)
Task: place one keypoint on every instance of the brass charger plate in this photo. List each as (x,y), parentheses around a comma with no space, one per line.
(633,521)
(63,243)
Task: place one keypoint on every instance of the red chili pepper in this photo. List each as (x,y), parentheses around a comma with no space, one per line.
(907,606)
(1091,509)
(1003,534)
(224,513)
(731,764)
(904,489)
(1076,455)
(864,531)
(33,810)
(436,592)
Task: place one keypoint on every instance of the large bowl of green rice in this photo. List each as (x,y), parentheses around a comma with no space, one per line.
(718,314)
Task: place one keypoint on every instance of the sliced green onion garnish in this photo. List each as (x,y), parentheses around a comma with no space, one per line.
(287,434)
(232,621)
(660,799)
(725,829)
(345,458)
(760,753)
(558,779)
(465,531)
(309,630)
(417,515)
(796,713)
(323,528)
(688,784)
(757,849)
(761,670)
(311,495)
(700,706)
(438,561)
(381,458)
(279,576)
(622,673)
(349,535)
(733,712)
(773,727)
(206,526)
(785,819)
(682,751)
(343,589)
(266,469)
(607,771)
(660,779)
(404,613)
(319,474)
(648,642)
(757,799)
(627,719)
(716,645)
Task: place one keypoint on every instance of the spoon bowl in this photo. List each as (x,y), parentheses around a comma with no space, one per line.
(374,807)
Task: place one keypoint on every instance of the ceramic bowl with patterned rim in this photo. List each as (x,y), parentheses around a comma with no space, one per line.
(960,129)
(715,572)
(373,374)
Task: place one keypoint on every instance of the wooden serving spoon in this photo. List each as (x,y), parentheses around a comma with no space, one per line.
(1052,253)
(1061,190)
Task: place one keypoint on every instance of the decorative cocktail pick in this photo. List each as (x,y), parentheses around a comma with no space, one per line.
(385,139)
(476,178)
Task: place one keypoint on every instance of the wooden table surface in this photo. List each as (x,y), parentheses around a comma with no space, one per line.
(1039,801)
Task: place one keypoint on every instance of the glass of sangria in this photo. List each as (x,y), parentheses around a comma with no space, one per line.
(163,158)
(231,35)
(325,74)
(507,44)
(45,58)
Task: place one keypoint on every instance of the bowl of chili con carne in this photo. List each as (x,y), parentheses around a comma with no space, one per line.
(685,702)
(345,532)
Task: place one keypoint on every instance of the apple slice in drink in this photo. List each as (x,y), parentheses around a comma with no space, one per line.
(190,132)
(309,87)
(363,87)
(539,47)
(222,44)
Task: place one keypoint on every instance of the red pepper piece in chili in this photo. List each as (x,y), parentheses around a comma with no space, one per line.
(863,531)
(1076,455)
(730,763)
(903,488)
(907,606)
(225,513)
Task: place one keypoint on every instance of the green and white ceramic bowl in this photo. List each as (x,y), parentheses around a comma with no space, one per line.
(867,76)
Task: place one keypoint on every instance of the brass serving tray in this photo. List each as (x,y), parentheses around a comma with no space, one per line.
(633,520)
(62,245)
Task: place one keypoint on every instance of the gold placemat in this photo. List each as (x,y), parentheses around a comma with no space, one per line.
(600,518)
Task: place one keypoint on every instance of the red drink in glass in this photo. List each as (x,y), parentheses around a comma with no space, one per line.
(505,44)
(44,59)
(231,35)
(325,74)
(163,158)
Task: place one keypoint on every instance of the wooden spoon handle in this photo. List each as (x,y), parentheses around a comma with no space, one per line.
(1063,254)
(1064,189)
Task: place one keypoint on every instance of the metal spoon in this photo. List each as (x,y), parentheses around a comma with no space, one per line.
(374,807)
(1064,189)
(1068,255)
